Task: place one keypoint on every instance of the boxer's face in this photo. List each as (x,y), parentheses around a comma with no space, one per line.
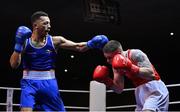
(43,25)
(109,56)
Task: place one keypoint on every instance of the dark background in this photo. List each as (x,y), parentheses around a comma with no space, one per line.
(144,25)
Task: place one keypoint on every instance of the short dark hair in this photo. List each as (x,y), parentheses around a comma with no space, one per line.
(36,15)
(112,46)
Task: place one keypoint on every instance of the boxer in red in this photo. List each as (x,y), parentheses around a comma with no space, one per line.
(151,93)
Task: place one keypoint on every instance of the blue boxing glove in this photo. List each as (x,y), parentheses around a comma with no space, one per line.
(22,34)
(97,42)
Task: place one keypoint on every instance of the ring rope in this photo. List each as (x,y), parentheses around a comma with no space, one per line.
(82,91)
(74,107)
(174,102)
(130,89)
(71,91)
(74,91)
(123,106)
(128,106)
(10,88)
(110,107)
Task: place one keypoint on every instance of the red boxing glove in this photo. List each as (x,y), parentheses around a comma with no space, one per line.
(124,63)
(101,75)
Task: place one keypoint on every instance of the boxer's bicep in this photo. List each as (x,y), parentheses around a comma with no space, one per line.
(140,58)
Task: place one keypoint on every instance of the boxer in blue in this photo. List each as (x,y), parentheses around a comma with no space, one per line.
(38,51)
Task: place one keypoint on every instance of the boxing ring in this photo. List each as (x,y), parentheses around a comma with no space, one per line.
(97,94)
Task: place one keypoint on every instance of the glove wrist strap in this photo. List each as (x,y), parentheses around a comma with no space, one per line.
(18,48)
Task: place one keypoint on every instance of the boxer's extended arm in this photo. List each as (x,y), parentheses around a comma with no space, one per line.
(96,42)
(61,42)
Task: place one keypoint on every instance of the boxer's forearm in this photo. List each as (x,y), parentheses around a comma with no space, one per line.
(15,59)
(146,73)
(81,46)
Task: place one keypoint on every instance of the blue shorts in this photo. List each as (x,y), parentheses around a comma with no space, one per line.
(42,95)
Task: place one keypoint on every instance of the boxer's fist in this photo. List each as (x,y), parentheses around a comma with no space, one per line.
(124,63)
(97,42)
(101,75)
(22,34)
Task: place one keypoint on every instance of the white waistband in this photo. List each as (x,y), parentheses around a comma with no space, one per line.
(38,75)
